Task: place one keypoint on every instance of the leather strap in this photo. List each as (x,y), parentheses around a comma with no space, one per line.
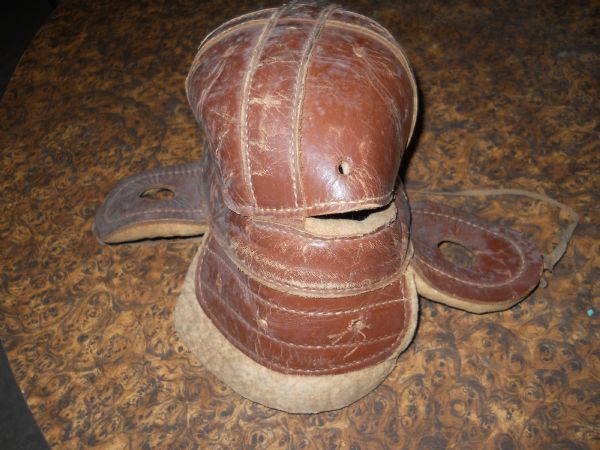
(164,202)
(468,263)
(499,266)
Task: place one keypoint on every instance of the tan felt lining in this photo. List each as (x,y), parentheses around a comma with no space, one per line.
(151,230)
(344,227)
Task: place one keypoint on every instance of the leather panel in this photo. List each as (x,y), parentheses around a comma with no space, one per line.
(299,335)
(271,109)
(290,259)
(375,87)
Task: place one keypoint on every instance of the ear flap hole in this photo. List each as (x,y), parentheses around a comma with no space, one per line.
(457,254)
(344,168)
(158,193)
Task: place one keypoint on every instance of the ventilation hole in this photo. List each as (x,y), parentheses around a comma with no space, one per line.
(158,193)
(344,168)
(457,254)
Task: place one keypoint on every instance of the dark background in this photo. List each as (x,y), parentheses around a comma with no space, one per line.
(19,21)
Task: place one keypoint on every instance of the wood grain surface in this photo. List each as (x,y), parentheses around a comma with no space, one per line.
(509,98)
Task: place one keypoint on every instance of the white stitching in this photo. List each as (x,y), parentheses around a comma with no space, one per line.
(269,361)
(393,46)
(320,204)
(355,288)
(286,343)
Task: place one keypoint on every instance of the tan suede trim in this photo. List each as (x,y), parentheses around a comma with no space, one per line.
(150,230)
(431,293)
(344,228)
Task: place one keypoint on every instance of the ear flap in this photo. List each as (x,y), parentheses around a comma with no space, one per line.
(164,202)
(468,263)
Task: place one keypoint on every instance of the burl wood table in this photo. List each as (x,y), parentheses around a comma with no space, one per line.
(509,99)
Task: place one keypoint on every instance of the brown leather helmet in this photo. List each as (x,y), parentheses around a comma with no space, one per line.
(307,111)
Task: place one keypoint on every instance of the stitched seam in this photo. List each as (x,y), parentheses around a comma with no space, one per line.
(286,343)
(241,19)
(299,92)
(201,256)
(206,91)
(472,283)
(373,23)
(206,44)
(498,235)
(153,211)
(333,23)
(323,291)
(244,144)
(115,195)
(320,204)
(331,313)
(269,362)
(216,34)
(407,314)
(300,312)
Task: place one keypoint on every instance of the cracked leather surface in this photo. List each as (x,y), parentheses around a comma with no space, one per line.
(268,89)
